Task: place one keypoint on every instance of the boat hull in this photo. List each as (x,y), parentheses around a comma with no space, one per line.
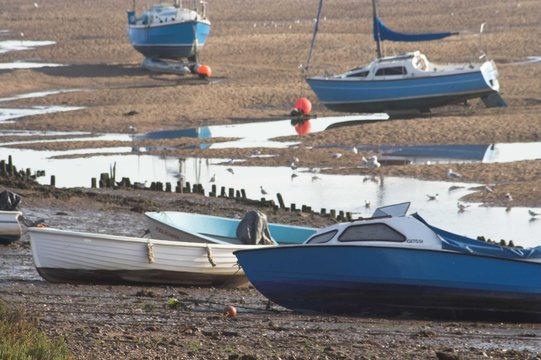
(10,228)
(393,280)
(173,41)
(67,256)
(407,94)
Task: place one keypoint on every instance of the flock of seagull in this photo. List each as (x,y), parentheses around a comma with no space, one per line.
(373,163)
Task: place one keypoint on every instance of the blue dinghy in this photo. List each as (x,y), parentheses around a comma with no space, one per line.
(393,263)
(191,227)
(407,82)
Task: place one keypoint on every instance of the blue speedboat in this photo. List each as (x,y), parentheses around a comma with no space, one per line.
(192,227)
(407,82)
(393,263)
(169,32)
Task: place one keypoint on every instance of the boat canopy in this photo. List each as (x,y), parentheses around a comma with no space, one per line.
(455,242)
(382,32)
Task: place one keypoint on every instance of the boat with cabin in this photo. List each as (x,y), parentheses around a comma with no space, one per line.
(407,82)
(393,263)
(170,36)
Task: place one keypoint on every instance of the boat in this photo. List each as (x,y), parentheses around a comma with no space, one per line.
(193,227)
(10,228)
(170,36)
(80,257)
(405,83)
(393,263)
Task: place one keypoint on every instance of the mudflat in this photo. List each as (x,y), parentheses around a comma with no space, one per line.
(255,49)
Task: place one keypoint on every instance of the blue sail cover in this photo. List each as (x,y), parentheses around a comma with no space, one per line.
(382,32)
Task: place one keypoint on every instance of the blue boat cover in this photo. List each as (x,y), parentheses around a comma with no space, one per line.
(382,32)
(455,242)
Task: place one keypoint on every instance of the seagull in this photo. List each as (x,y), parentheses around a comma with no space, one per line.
(213,178)
(488,189)
(462,207)
(482,27)
(296,159)
(432,197)
(508,197)
(337,155)
(453,175)
(293,176)
(371,162)
(366,204)
(36,5)
(231,170)
(293,166)
(354,149)
(533,213)
(263,191)
(132,128)
(315,177)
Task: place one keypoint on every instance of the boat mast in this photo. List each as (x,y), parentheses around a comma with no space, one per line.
(376,29)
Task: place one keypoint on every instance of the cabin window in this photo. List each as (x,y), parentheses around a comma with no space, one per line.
(322,238)
(371,232)
(359,74)
(396,70)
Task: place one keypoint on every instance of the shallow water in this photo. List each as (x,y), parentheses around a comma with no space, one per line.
(18,45)
(339,192)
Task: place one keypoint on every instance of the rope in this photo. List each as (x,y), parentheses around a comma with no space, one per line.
(313,43)
(209,256)
(150,252)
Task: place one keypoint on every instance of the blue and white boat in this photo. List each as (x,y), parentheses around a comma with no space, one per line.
(394,263)
(200,228)
(407,82)
(169,32)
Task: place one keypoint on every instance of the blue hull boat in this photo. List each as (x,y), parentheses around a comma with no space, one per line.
(391,264)
(169,32)
(407,82)
(191,227)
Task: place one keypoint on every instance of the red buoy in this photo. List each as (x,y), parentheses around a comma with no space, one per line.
(204,71)
(303,127)
(303,105)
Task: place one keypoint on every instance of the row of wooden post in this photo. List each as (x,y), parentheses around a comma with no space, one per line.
(185,187)
(106,181)
(8,169)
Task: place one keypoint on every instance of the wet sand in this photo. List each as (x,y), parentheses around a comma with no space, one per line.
(254,51)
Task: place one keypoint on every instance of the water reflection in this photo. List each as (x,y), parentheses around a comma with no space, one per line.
(339,192)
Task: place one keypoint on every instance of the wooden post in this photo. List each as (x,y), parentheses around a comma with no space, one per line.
(231,192)
(333,214)
(53,180)
(323,211)
(243,193)
(168,187)
(237,194)
(280,201)
(10,165)
(222,191)
(293,207)
(93,183)
(3,168)
(187,187)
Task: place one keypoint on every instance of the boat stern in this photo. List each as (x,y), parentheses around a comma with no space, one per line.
(490,74)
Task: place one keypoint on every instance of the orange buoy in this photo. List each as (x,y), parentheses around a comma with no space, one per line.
(303,105)
(230,311)
(204,71)
(303,127)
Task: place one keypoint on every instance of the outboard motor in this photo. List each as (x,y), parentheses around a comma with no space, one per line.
(253,229)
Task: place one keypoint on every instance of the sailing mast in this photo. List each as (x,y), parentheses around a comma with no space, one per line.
(376,29)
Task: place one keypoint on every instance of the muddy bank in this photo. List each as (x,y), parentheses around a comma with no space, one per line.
(138,321)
